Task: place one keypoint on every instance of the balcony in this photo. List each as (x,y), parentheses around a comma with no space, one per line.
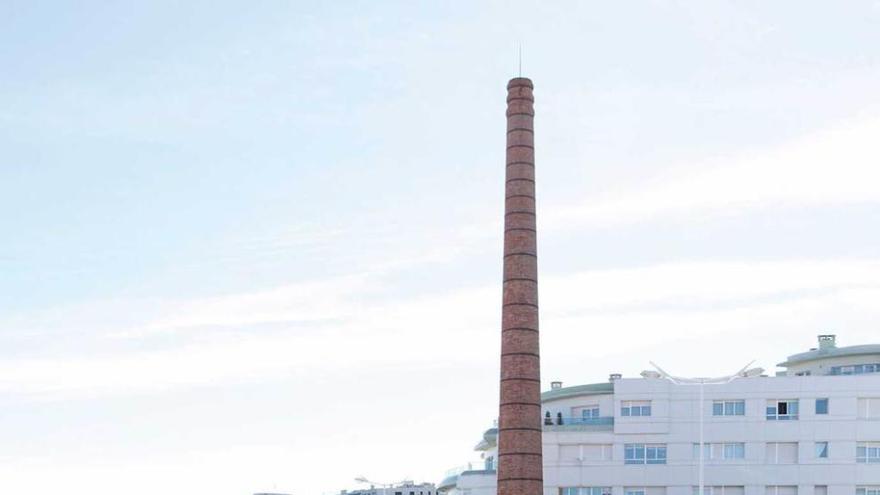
(480,466)
(579,424)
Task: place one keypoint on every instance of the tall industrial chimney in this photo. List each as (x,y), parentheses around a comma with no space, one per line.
(520,468)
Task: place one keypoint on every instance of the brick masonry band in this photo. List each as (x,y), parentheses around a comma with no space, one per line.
(520,467)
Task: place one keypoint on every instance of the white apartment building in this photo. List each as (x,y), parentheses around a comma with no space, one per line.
(811,430)
(406,487)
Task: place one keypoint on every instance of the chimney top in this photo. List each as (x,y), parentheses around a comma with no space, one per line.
(520,81)
(828,341)
(614,376)
(555,385)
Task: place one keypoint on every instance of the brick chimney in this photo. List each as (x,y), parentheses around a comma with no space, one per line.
(520,467)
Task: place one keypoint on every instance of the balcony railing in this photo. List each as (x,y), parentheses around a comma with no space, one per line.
(480,465)
(578,423)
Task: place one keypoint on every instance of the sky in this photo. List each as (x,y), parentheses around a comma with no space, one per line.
(256,246)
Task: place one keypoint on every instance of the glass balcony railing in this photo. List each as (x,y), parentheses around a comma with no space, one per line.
(481,465)
(606,421)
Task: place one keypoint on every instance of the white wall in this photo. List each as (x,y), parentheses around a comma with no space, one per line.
(675,422)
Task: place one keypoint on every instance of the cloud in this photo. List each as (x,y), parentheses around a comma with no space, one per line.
(649,304)
(191,469)
(313,301)
(833,166)
(702,284)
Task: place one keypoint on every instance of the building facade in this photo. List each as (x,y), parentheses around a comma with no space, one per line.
(406,487)
(814,429)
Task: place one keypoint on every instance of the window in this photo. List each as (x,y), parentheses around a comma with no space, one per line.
(782,409)
(587,490)
(821,406)
(634,453)
(782,453)
(707,451)
(635,408)
(640,453)
(585,413)
(780,490)
(729,408)
(868,490)
(868,407)
(596,452)
(734,451)
(722,451)
(589,452)
(855,369)
(822,450)
(720,490)
(820,490)
(868,452)
(655,454)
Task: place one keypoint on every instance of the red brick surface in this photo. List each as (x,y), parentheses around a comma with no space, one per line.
(521,171)
(520,137)
(519,220)
(520,241)
(516,340)
(520,203)
(521,265)
(518,391)
(520,415)
(519,436)
(520,154)
(518,366)
(519,317)
(522,291)
(519,122)
(519,487)
(526,446)
(519,188)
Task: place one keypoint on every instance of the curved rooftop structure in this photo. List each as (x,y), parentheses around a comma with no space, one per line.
(578,390)
(489,440)
(835,352)
(828,359)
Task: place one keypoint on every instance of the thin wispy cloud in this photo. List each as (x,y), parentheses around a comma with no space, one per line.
(828,167)
(432,327)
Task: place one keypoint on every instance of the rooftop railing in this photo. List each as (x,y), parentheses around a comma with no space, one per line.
(569,422)
(480,465)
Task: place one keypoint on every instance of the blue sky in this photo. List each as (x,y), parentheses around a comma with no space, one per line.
(256,247)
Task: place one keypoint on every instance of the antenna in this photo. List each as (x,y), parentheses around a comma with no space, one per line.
(520,60)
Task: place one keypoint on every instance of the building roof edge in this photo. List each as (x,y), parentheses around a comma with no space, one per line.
(588,389)
(834,352)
